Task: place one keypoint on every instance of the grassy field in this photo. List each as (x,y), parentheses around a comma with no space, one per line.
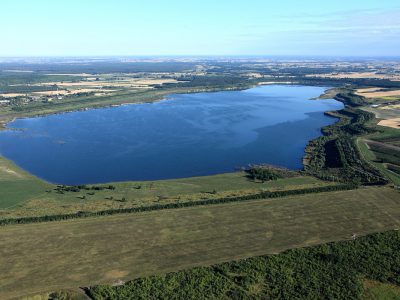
(380,155)
(371,158)
(18,186)
(375,290)
(85,252)
(58,295)
(22,194)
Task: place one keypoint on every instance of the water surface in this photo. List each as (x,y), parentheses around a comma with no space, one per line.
(185,135)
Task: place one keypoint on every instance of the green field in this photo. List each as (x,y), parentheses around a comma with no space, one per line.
(17,186)
(375,290)
(371,158)
(22,194)
(90,251)
(383,150)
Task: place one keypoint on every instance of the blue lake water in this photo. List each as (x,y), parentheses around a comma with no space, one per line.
(183,136)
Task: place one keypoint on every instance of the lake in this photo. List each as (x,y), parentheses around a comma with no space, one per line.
(183,136)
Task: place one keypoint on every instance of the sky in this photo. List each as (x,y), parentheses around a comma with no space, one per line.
(203,27)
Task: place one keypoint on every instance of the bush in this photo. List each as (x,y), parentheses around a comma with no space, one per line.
(262,173)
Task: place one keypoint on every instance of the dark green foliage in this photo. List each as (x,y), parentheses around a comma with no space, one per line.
(66,295)
(4,89)
(330,271)
(268,172)
(354,168)
(212,81)
(332,155)
(262,173)
(335,156)
(261,195)
(77,188)
(10,79)
(182,285)
(350,99)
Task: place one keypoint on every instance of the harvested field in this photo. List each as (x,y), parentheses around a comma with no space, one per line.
(71,92)
(377,93)
(121,83)
(392,106)
(392,123)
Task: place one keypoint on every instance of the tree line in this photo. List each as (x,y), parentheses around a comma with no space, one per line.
(330,271)
(335,156)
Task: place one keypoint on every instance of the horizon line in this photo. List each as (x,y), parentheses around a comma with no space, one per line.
(196,56)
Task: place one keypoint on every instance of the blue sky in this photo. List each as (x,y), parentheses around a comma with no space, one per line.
(207,27)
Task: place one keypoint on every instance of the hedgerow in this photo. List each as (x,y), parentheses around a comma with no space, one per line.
(261,195)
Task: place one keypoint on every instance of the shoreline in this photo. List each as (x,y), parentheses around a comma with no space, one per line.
(164,98)
(4,124)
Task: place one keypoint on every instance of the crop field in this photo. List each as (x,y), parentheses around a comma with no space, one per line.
(384,103)
(83,252)
(357,75)
(377,93)
(393,123)
(90,84)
